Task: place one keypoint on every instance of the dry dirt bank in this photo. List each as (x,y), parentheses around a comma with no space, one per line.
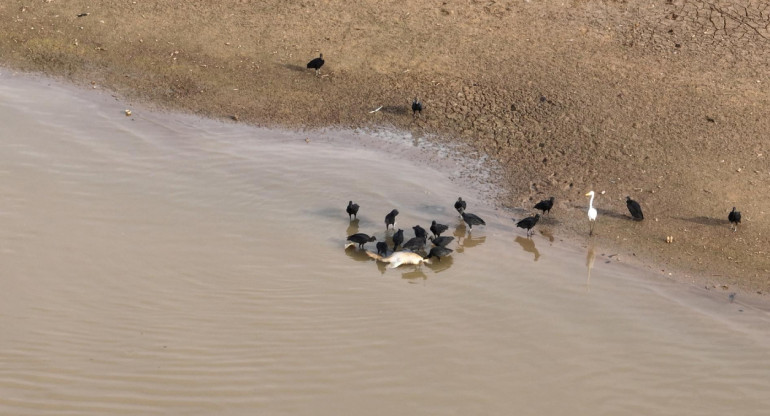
(666,101)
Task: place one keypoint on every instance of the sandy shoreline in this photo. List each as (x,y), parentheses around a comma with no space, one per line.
(593,96)
(468,173)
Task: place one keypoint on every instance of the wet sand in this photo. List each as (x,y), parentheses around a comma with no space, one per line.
(165,263)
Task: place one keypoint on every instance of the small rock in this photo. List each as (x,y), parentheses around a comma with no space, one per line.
(128,112)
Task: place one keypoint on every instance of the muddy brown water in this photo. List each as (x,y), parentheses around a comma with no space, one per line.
(165,264)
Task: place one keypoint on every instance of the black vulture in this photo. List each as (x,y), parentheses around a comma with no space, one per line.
(735,218)
(472,219)
(316,64)
(420,232)
(390,219)
(545,205)
(414,244)
(361,239)
(352,210)
(437,228)
(382,248)
(460,206)
(416,106)
(441,241)
(439,252)
(634,208)
(398,238)
(528,223)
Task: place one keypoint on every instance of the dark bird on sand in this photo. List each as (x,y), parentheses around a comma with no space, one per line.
(420,232)
(441,241)
(316,64)
(352,210)
(416,106)
(439,252)
(460,206)
(529,223)
(545,205)
(398,238)
(382,248)
(414,244)
(735,218)
(360,239)
(437,228)
(390,219)
(634,208)
(472,219)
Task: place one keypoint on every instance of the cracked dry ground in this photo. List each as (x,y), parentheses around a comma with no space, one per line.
(665,101)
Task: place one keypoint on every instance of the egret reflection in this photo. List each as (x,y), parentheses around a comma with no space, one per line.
(590,256)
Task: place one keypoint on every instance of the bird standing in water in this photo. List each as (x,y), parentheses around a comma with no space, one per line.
(460,205)
(441,241)
(735,218)
(439,252)
(472,219)
(634,208)
(437,228)
(528,223)
(390,219)
(420,232)
(414,244)
(398,238)
(382,248)
(316,64)
(360,239)
(545,205)
(352,210)
(416,106)
(591,212)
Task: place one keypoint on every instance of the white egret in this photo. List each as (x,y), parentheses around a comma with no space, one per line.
(591,212)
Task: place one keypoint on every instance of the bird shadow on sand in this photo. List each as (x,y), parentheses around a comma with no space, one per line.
(603,212)
(295,68)
(704,220)
(399,110)
(549,221)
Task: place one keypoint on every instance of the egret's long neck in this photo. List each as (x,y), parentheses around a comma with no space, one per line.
(591,202)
